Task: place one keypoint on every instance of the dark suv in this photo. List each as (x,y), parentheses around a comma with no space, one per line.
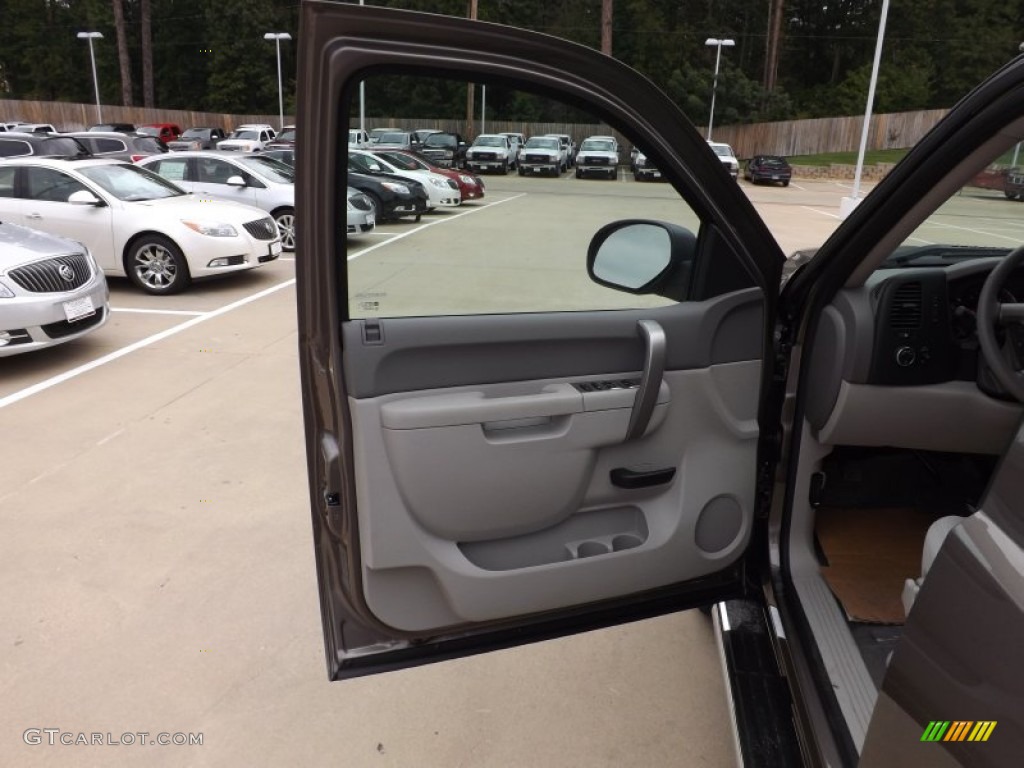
(119,146)
(1014,185)
(14,144)
(447,150)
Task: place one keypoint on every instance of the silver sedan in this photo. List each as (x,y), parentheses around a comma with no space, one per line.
(51,290)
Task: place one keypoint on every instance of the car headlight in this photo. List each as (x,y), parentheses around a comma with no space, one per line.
(439,183)
(467,180)
(5,292)
(395,187)
(211,228)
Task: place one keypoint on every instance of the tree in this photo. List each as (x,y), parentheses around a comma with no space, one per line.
(147,53)
(122,54)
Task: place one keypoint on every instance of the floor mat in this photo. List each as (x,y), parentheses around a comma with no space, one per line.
(870,553)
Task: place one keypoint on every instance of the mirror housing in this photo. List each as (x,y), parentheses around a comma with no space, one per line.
(85,197)
(643,256)
(235,181)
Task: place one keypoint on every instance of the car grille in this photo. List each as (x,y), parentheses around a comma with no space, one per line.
(538,159)
(489,156)
(1016,179)
(63,328)
(52,275)
(361,201)
(261,229)
(596,160)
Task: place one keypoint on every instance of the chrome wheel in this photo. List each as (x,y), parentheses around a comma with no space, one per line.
(286,224)
(157,266)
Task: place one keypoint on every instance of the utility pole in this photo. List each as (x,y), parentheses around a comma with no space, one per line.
(606,26)
(771,56)
(470,87)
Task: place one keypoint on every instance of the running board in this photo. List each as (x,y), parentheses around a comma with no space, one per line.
(758,695)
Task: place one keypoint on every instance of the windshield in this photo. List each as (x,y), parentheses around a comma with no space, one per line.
(245,135)
(195,133)
(131,183)
(489,141)
(148,130)
(393,138)
(439,140)
(772,162)
(404,162)
(269,168)
(287,135)
(542,143)
(598,145)
(722,150)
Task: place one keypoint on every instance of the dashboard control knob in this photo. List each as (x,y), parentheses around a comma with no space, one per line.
(905,357)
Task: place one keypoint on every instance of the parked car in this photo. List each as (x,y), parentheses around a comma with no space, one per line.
(442,191)
(420,135)
(770,168)
(358,139)
(517,140)
(392,140)
(119,146)
(286,156)
(112,127)
(727,157)
(1014,184)
(376,133)
(568,147)
(598,156)
(16,144)
(164,132)
(251,179)
(197,138)
(393,197)
(51,290)
(135,223)
(491,152)
(248,138)
(644,169)
(836,469)
(361,218)
(541,155)
(35,128)
(284,140)
(471,186)
(447,150)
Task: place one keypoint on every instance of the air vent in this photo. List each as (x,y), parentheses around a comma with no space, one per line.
(905,308)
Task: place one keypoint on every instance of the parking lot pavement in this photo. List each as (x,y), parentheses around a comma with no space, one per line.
(156,561)
(156,573)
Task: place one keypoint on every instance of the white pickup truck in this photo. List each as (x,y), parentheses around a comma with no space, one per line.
(491,152)
(542,154)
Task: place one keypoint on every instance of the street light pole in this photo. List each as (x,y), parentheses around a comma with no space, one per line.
(716,43)
(90,36)
(277,37)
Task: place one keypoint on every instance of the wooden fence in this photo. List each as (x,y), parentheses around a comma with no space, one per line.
(898,130)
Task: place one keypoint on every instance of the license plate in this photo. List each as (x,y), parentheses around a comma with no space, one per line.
(775,177)
(404,208)
(537,170)
(78,309)
(656,174)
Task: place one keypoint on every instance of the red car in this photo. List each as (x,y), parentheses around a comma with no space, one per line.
(470,185)
(165,132)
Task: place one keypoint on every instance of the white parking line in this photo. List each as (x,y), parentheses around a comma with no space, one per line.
(433,224)
(119,353)
(156,311)
(973,231)
(823,213)
(797,186)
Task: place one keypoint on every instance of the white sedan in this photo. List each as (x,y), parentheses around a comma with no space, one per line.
(136,223)
(441,191)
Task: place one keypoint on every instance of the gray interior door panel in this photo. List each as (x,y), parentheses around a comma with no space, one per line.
(427,352)
(498,496)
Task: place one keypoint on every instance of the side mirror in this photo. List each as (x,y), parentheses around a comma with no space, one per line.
(643,257)
(84,197)
(235,181)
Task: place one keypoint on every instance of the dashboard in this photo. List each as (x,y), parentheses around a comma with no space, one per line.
(897,362)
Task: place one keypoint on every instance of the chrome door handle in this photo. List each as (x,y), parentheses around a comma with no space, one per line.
(655,350)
